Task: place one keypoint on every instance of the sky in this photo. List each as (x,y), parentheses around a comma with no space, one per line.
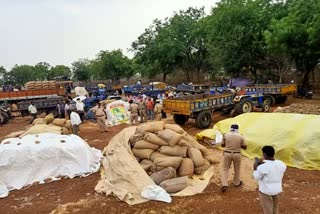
(63,31)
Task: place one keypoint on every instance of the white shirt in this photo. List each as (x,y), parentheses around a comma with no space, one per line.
(80,106)
(75,118)
(66,107)
(270,176)
(32,109)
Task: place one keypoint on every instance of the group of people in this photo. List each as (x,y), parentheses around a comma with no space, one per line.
(146,108)
(267,171)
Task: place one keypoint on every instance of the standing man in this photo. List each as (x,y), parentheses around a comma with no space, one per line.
(269,172)
(67,110)
(158,110)
(142,111)
(232,142)
(150,106)
(80,108)
(133,108)
(75,120)
(100,115)
(60,109)
(33,111)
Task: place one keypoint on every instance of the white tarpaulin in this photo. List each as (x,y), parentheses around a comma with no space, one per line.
(35,158)
(117,112)
(80,91)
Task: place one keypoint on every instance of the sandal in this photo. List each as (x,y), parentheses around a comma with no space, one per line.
(224,188)
(238,184)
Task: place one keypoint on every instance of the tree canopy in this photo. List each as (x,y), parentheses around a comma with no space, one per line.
(263,38)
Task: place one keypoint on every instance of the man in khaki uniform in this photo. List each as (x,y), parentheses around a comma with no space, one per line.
(158,110)
(133,112)
(142,111)
(100,117)
(232,143)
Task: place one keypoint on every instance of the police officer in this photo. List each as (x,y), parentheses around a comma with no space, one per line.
(232,142)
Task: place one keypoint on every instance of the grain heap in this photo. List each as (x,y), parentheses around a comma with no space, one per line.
(300,108)
(169,155)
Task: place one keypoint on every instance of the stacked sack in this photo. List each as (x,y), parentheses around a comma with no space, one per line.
(169,155)
(50,123)
(39,85)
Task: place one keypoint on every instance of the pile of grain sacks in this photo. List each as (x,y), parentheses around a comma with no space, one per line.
(169,155)
(300,108)
(38,85)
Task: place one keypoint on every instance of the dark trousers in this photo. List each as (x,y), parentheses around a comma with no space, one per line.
(81,114)
(34,116)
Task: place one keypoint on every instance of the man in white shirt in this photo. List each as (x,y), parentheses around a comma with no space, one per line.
(80,108)
(75,121)
(33,111)
(269,172)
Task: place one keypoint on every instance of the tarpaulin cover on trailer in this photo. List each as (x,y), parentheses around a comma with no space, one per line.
(295,137)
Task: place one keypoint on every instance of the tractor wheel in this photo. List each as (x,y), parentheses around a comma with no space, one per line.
(244,106)
(281,99)
(180,119)
(203,119)
(271,99)
(266,106)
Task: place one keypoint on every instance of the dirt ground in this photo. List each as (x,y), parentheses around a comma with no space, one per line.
(301,187)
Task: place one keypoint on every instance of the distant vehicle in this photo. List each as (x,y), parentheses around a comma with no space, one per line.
(304,92)
(193,89)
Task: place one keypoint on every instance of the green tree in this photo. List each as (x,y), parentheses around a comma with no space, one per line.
(81,70)
(20,74)
(297,35)
(41,70)
(113,65)
(59,70)
(3,75)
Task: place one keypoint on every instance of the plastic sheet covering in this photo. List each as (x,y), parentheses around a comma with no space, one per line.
(295,137)
(36,158)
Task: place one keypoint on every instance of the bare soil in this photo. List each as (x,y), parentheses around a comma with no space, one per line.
(301,187)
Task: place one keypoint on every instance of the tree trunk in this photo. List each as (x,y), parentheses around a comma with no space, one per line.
(164,78)
(305,80)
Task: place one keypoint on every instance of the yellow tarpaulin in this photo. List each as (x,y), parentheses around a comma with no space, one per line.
(295,137)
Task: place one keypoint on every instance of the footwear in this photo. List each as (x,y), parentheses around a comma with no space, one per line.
(238,184)
(224,188)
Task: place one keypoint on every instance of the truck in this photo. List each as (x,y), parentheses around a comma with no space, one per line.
(275,93)
(45,95)
(199,107)
(193,89)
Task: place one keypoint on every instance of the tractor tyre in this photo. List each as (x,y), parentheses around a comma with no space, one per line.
(203,119)
(281,99)
(265,106)
(271,99)
(180,119)
(244,106)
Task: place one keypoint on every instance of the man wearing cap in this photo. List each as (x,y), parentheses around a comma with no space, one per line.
(232,142)
(158,110)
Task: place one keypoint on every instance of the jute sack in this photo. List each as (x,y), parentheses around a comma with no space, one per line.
(164,174)
(168,161)
(134,138)
(156,154)
(65,131)
(42,115)
(203,168)
(174,151)
(175,184)
(49,118)
(170,136)
(59,122)
(194,143)
(174,127)
(142,144)
(142,153)
(150,127)
(68,124)
(153,138)
(186,168)
(212,159)
(146,164)
(39,121)
(195,155)
(184,143)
